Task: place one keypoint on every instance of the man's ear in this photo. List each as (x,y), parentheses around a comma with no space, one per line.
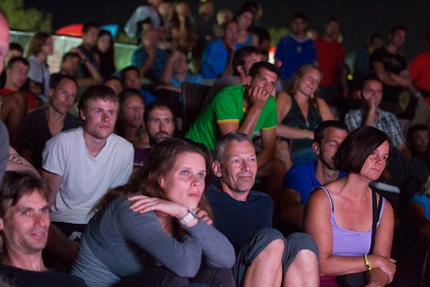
(248,80)
(82,114)
(1,224)
(216,167)
(316,148)
(241,70)
(50,92)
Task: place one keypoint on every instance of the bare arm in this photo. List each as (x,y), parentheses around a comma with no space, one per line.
(54,182)
(324,110)
(291,208)
(418,219)
(95,78)
(268,150)
(255,40)
(19,163)
(403,148)
(168,69)
(380,72)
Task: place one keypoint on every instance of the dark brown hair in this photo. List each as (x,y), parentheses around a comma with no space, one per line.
(17,184)
(357,147)
(160,162)
(98,92)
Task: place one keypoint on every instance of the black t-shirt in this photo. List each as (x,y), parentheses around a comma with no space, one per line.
(393,63)
(24,278)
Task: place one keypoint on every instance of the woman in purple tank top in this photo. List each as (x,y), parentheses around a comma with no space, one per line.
(339,215)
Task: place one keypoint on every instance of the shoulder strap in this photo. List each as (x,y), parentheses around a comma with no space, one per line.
(376,210)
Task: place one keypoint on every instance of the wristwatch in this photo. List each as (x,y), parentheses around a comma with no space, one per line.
(187,218)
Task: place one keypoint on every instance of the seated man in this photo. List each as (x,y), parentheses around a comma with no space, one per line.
(301,179)
(417,140)
(16,102)
(24,223)
(248,109)
(80,165)
(218,55)
(131,79)
(244,216)
(41,125)
(159,123)
(371,115)
(70,63)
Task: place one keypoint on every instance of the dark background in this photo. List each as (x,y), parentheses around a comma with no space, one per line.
(358,19)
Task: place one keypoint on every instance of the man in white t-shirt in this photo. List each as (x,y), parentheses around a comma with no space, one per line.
(81,164)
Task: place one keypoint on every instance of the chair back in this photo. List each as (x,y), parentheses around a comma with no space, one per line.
(193,97)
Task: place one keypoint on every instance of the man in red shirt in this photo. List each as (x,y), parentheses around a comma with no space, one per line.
(331,60)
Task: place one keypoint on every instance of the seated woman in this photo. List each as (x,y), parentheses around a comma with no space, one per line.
(182,28)
(170,240)
(342,216)
(130,125)
(300,111)
(105,54)
(245,19)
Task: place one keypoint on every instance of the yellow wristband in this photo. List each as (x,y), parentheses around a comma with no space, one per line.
(366,263)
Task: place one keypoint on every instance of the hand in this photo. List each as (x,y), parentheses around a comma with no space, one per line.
(79,52)
(203,215)
(14,157)
(144,204)
(371,103)
(385,264)
(258,96)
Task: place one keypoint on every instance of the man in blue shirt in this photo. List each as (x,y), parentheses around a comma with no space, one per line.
(301,179)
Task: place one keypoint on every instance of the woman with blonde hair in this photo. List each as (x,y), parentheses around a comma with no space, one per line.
(300,111)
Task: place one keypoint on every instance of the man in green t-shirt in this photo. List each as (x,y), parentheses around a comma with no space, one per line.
(248,109)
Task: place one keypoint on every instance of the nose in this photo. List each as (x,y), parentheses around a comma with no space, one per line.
(40,220)
(196,181)
(245,165)
(105,117)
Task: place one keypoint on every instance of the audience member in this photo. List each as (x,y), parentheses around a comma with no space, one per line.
(352,224)
(390,66)
(105,51)
(15,50)
(16,76)
(417,140)
(243,60)
(244,216)
(301,179)
(15,103)
(130,123)
(371,115)
(24,223)
(362,57)
(245,17)
(177,71)
(218,55)
(170,239)
(258,29)
(40,46)
(331,60)
(143,18)
(131,79)
(80,165)
(149,58)
(418,72)
(300,111)
(205,30)
(41,125)
(70,63)
(249,109)
(115,84)
(90,32)
(295,50)
(182,28)
(4,136)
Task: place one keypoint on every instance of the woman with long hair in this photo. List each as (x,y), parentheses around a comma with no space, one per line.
(40,46)
(105,52)
(182,28)
(351,224)
(170,239)
(245,19)
(300,111)
(130,126)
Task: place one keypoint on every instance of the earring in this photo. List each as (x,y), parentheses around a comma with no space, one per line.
(312,96)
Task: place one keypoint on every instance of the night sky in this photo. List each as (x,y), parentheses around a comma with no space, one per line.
(358,19)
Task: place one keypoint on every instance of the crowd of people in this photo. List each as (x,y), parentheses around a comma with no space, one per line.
(290,176)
